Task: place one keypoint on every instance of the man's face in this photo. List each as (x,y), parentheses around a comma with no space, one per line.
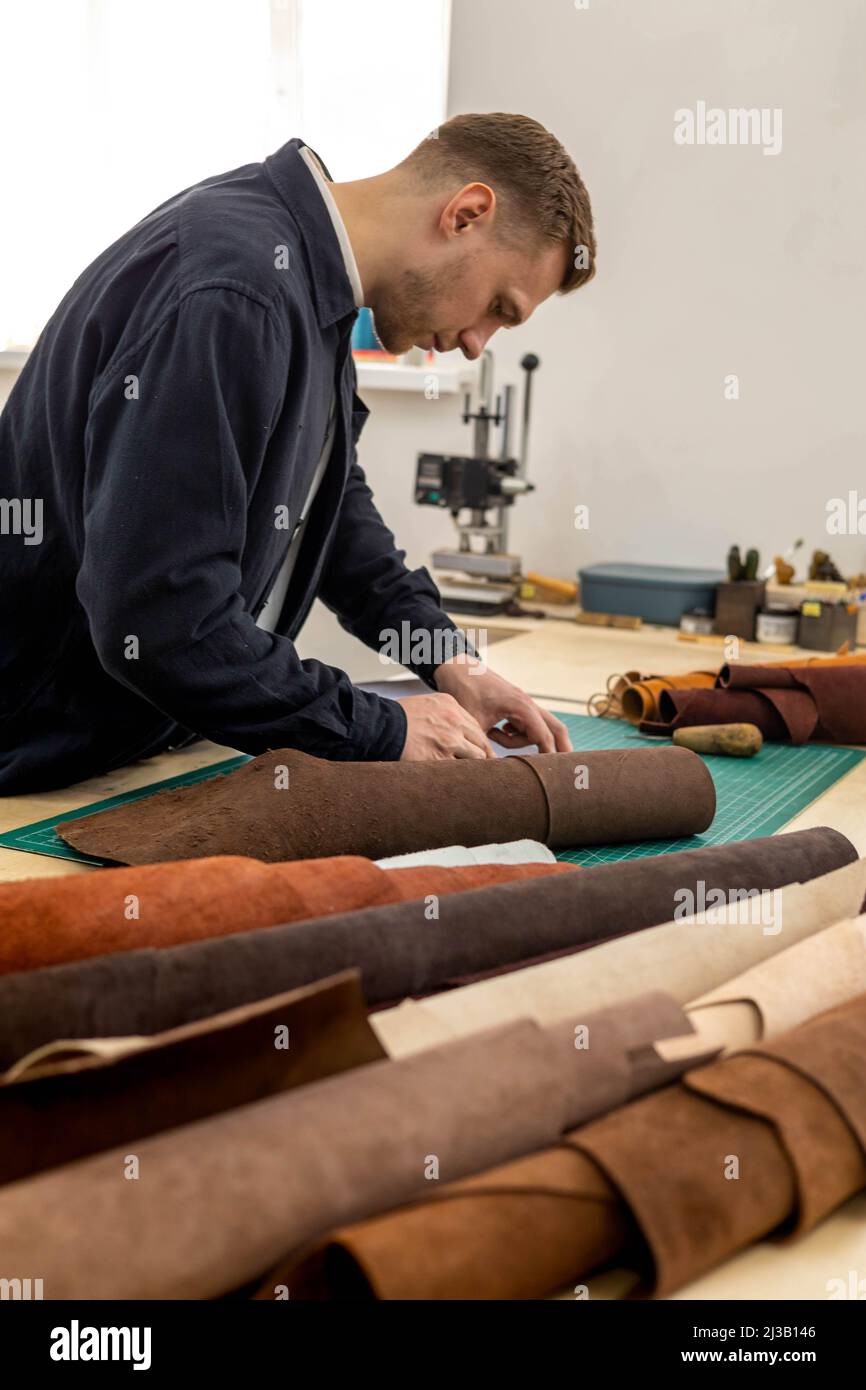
(462,289)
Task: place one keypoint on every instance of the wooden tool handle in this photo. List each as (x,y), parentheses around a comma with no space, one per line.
(567,588)
(729,740)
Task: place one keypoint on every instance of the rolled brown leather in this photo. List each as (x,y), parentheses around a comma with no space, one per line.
(640,695)
(827,703)
(398,949)
(772,1139)
(676,1162)
(67,1105)
(46,921)
(518,1231)
(219,1201)
(287,805)
(827,1167)
(788,704)
(530,1228)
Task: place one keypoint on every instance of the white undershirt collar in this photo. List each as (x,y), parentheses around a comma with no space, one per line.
(351,264)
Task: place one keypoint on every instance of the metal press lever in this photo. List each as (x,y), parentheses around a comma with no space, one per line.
(529,364)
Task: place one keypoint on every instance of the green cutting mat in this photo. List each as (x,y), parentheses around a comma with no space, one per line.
(756,796)
(41,836)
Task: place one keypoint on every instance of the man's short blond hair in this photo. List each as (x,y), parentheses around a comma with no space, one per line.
(536,182)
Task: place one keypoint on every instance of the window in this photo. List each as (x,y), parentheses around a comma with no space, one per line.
(119,104)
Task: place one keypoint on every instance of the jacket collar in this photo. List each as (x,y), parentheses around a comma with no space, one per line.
(332,289)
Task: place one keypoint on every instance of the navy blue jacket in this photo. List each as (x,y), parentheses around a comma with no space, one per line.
(173,408)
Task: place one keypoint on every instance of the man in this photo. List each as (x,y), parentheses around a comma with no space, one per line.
(185,431)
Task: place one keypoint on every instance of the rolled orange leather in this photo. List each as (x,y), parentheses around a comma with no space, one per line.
(50,921)
(640,701)
(640,698)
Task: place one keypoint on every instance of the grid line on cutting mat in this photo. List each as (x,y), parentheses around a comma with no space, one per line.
(756,796)
(40,837)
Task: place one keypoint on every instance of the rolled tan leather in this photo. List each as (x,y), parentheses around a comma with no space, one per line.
(514,1232)
(686,957)
(819,973)
(640,700)
(526,1229)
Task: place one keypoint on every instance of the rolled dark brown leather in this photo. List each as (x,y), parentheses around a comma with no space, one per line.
(287,805)
(827,703)
(788,704)
(65,1106)
(400,949)
(682,709)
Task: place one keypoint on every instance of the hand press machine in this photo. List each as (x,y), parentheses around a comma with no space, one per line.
(480,576)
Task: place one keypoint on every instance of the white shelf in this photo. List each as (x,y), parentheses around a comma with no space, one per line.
(450,378)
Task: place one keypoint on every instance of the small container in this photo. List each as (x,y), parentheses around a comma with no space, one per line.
(777,625)
(825,626)
(697,621)
(738,602)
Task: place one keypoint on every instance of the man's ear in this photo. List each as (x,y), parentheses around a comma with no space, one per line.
(473,203)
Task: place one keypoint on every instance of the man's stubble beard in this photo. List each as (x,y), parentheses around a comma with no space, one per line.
(407,312)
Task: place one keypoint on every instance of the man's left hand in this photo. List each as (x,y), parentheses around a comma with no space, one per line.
(492,700)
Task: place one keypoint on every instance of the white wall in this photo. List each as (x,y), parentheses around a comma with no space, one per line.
(8,377)
(712,260)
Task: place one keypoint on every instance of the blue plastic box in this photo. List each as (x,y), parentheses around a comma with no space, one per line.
(656,593)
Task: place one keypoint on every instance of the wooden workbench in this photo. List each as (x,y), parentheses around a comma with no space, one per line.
(562,665)
(555,660)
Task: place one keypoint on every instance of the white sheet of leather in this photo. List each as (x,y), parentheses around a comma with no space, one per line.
(817,974)
(686,959)
(453,856)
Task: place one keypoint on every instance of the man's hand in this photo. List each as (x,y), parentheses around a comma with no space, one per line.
(491,699)
(439,728)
